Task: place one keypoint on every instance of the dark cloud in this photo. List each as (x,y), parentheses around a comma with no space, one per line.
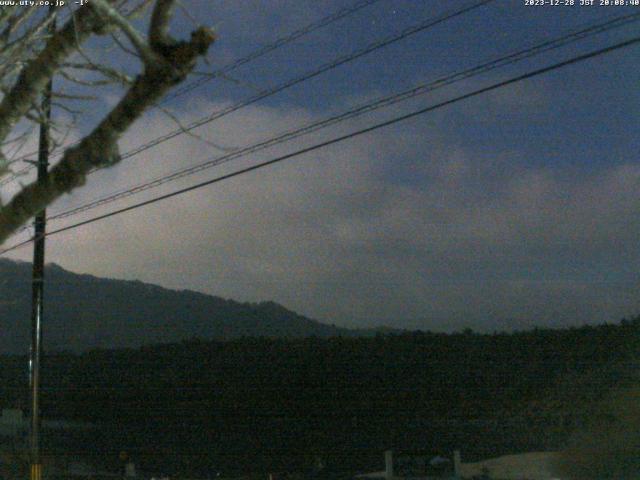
(510,210)
(334,236)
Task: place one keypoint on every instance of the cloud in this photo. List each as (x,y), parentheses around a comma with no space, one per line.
(405,225)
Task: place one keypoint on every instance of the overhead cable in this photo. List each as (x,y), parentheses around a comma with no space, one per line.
(280,42)
(362,109)
(377,126)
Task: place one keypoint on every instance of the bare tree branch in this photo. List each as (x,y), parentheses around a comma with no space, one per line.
(112,16)
(36,74)
(171,61)
(189,133)
(159,29)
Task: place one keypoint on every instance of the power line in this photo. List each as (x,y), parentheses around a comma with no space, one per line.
(424,25)
(273,46)
(280,42)
(420,89)
(18,245)
(335,140)
(341,60)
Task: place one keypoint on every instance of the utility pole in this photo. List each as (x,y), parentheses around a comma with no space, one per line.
(37,285)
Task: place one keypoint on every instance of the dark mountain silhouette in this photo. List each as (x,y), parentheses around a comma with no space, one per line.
(84,312)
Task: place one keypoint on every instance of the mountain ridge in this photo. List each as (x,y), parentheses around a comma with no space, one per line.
(83,311)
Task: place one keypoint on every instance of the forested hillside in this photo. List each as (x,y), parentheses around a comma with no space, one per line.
(83,312)
(273,404)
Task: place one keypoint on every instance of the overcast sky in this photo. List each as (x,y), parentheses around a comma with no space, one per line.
(514,209)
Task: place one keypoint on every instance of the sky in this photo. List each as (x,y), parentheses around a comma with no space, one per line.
(510,210)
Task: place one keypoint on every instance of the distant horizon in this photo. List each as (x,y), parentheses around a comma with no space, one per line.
(399,332)
(401,324)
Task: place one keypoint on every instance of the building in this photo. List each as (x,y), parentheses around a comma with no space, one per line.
(415,466)
(13,423)
(523,466)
